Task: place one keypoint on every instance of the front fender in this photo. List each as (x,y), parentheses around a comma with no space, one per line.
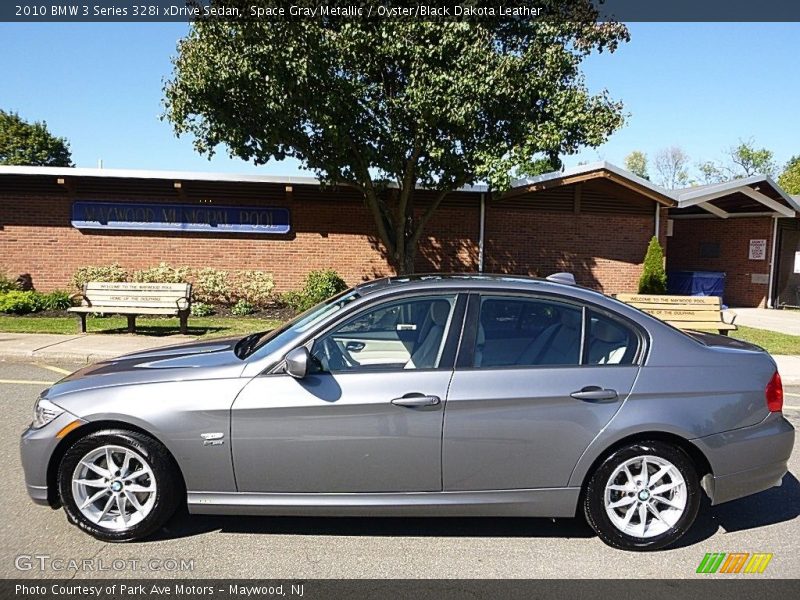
(176,413)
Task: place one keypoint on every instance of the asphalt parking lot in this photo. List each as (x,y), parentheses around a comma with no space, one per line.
(239,547)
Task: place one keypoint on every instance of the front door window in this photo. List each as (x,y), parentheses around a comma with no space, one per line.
(400,335)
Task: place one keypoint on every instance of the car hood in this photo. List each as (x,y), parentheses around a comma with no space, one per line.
(215,359)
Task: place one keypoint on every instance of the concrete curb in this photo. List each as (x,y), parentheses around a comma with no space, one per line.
(83,348)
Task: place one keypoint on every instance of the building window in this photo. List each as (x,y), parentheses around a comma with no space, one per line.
(709,250)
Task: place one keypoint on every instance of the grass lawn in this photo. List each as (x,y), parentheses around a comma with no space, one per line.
(772,341)
(156,326)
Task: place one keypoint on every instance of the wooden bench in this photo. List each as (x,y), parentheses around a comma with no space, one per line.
(133,299)
(699,313)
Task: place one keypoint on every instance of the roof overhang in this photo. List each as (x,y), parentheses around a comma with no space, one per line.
(599,170)
(719,199)
(79,172)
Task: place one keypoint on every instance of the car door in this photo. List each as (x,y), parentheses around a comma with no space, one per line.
(368,418)
(537,379)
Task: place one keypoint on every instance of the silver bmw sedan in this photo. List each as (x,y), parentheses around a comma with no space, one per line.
(459,395)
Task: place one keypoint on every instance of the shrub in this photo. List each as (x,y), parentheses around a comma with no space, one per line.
(6,284)
(163,273)
(201,309)
(654,278)
(254,287)
(243,308)
(212,286)
(108,273)
(56,300)
(319,286)
(20,303)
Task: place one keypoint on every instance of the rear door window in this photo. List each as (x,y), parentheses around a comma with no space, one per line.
(609,341)
(518,331)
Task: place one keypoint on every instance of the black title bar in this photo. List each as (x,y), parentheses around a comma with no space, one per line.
(190,10)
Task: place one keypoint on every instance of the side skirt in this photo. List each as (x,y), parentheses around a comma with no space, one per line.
(544,502)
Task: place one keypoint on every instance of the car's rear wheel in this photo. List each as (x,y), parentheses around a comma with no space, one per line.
(643,496)
(118,485)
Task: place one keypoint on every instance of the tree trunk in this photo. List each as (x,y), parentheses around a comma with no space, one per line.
(405,265)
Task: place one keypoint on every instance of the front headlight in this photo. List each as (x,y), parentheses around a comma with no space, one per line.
(44,412)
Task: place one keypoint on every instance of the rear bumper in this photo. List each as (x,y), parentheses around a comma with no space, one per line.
(748,460)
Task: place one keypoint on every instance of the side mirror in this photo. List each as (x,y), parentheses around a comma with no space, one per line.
(297,362)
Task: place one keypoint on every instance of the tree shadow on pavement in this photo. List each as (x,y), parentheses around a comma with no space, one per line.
(775,505)
(185,525)
(772,506)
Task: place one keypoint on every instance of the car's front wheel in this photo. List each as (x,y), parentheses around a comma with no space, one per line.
(643,496)
(118,485)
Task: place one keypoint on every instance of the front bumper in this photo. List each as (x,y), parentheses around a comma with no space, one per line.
(748,460)
(36,447)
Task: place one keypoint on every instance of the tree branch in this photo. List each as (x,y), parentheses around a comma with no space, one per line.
(379,213)
(426,216)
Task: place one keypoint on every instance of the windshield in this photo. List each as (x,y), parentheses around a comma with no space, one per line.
(303,322)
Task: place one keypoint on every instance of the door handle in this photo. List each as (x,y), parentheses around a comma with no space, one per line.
(416,400)
(595,393)
(354,346)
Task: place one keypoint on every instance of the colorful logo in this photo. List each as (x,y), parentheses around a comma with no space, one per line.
(735,562)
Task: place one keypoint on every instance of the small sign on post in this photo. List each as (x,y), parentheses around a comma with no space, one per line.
(758,250)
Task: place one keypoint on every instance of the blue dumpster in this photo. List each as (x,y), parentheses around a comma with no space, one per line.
(696,283)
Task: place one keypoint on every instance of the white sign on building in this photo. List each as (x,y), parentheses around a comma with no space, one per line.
(758,250)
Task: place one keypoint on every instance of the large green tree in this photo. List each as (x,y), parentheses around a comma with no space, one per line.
(23,143)
(749,160)
(789,180)
(636,163)
(397,103)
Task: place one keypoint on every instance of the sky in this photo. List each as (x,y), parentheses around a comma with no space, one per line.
(700,86)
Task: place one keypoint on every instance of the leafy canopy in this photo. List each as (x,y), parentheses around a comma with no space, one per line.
(407,102)
(30,144)
(636,163)
(751,160)
(789,180)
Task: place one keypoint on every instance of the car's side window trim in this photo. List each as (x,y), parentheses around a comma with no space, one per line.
(448,351)
(466,351)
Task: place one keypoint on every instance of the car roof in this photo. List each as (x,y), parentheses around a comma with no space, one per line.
(472,281)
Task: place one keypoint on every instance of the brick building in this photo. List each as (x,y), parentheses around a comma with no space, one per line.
(594,221)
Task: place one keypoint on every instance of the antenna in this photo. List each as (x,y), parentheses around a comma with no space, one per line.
(565,278)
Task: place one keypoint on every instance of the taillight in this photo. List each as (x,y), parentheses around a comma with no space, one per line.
(774,394)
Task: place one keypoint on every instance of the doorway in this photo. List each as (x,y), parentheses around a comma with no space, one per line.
(786,287)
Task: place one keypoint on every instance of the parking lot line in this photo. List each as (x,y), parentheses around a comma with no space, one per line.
(25,382)
(58,370)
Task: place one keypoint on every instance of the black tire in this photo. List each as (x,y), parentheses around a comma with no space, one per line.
(168,493)
(594,496)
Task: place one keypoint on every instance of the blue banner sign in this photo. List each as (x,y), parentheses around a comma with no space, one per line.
(180,217)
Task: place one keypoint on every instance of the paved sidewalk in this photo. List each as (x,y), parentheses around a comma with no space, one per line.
(80,347)
(782,321)
(789,368)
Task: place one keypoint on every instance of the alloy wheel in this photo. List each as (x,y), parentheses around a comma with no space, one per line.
(114,487)
(645,496)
